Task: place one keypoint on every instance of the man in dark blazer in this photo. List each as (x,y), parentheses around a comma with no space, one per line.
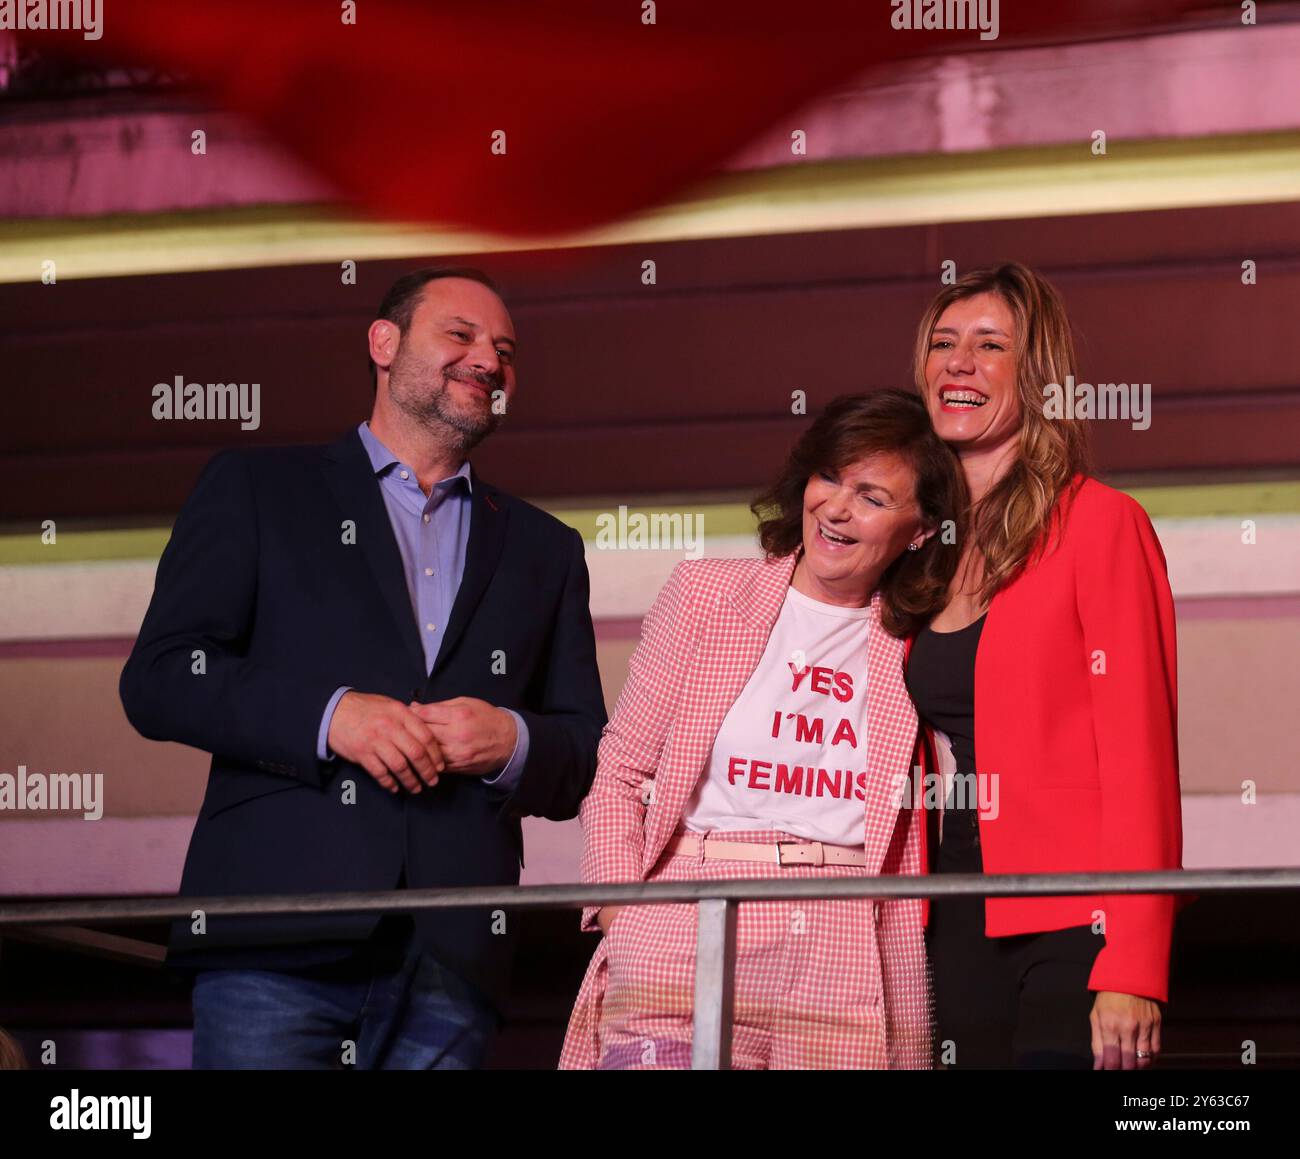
(391,663)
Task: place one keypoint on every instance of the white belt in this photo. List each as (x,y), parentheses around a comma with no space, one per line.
(780,852)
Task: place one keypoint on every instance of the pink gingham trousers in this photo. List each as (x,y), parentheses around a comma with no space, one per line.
(809,992)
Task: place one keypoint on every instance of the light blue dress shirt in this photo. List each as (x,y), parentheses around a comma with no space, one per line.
(432,534)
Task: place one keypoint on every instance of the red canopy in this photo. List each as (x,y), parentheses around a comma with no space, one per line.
(601,113)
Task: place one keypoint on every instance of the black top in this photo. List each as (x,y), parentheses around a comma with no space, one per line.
(941,681)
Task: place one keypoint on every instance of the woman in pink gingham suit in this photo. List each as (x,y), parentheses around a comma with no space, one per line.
(819,984)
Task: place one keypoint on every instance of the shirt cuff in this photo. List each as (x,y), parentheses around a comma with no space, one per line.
(508,777)
(322,737)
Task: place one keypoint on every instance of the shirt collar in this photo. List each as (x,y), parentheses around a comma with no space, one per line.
(381,458)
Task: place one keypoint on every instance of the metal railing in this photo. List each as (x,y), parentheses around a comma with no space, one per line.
(716,918)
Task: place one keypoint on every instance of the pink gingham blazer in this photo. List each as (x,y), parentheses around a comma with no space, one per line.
(700,643)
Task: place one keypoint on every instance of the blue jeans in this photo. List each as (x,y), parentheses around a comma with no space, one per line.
(416,1015)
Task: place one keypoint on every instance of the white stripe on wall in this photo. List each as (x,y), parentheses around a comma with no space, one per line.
(145,854)
(103,600)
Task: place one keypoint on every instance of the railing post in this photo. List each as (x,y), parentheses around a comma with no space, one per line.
(715,984)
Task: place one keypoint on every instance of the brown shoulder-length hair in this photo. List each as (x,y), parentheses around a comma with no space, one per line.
(850,429)
(1012,521)
(11,1053)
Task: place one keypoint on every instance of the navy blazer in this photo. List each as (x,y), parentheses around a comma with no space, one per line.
(281,582)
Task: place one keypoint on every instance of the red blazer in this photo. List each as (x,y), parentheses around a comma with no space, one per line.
(1076,713)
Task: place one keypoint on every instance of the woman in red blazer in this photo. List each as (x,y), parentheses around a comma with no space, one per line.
(1051,674)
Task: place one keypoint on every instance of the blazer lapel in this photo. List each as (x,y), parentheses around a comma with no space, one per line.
(488,518)
(891,737)
(728,651)
(351,478)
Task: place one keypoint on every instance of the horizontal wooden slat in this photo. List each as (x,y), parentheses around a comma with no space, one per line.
(94,943)
(685,385)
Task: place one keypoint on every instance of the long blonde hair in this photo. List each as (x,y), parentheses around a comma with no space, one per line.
(1011,522)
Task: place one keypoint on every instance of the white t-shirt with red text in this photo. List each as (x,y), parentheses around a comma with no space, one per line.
(791,753)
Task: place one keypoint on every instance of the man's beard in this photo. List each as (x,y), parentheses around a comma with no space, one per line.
(460,425)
